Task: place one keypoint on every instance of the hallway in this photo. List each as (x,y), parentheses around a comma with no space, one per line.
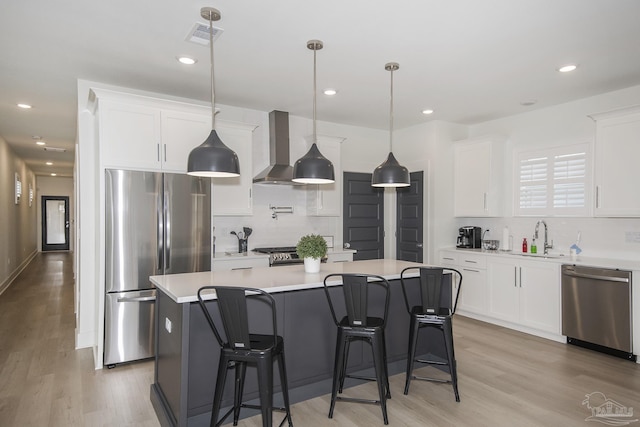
(44,381)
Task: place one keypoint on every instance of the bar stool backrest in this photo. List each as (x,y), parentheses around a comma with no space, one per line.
(232,303)
(431,288)
(355,288)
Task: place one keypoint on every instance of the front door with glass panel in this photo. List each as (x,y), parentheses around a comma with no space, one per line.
(55,223)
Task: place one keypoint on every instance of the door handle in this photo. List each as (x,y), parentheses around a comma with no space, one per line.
(66,224)
(347,245)
(419,245)
(137,299)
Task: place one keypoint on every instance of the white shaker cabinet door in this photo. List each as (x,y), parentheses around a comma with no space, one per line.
(129,136)
(233,196)
(617,151)
(478,179)
(504,294)
(181,133)
(540,295)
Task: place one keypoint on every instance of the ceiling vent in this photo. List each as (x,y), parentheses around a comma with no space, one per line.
(200,34)
(56,149)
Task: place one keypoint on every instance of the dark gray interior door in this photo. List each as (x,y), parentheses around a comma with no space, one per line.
(55,223)
(410,217)
(363,224)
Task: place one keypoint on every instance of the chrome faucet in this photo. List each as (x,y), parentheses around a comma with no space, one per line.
(546,245)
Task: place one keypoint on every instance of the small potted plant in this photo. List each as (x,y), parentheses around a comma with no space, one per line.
(311,248)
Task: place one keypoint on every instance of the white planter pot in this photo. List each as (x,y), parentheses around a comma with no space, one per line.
(311,265)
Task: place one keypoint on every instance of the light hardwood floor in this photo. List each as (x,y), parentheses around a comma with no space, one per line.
(506,378)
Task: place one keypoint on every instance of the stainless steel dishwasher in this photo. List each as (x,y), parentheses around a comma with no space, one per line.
(596,309)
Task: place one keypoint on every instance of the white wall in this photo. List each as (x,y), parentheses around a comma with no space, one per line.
(17,222)
(55,186)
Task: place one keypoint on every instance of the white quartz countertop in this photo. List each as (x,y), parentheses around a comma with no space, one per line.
(183,288)
(622,264)
(252,255)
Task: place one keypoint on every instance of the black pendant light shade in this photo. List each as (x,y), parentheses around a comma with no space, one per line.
(313,168)
(390,174)
(213,159)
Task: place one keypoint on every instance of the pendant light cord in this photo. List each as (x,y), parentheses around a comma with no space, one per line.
(213,93)
(391,115)
(315,137)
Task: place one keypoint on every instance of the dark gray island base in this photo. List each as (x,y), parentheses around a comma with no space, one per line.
(187,353)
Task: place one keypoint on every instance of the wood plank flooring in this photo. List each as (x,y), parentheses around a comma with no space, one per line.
(506,378)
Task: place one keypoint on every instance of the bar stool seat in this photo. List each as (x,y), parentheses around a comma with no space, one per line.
(357,325)
(241,349)
(430,313)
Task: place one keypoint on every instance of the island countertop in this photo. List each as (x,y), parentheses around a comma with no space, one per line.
(182,288)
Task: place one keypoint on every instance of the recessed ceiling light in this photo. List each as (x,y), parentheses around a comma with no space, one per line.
(40,143)
(186,60)
(567,68)
(24,106)
(49,163)
(54,174)
(330,92)
(427,112)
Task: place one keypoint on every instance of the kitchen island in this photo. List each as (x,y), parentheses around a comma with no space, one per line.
(187,353)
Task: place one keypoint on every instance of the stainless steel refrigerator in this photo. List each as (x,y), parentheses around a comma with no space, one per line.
(155,223)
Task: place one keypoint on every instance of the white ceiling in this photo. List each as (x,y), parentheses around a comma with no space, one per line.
(469,60)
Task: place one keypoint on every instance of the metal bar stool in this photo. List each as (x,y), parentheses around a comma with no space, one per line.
(243,348)
(358,325)
(430,313)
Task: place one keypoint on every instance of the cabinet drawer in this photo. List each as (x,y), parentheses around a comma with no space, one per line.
(472,260)
(448,258)
(238,264)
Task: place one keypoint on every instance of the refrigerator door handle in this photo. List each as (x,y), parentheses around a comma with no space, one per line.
(167,232)
(137,299)
(159,227)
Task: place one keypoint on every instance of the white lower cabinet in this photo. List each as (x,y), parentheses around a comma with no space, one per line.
(524,292)
(473,292)
(225,263)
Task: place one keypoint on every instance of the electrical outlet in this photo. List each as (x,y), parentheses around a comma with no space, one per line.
(632,237)
(167,324)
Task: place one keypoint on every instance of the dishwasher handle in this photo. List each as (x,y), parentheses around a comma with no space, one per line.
(596,277)
(137,299)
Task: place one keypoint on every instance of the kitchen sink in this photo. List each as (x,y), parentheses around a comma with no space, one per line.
(547,256)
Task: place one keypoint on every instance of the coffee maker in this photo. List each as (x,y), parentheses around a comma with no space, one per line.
(469,237)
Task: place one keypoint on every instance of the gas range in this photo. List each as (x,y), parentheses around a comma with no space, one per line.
(283,255)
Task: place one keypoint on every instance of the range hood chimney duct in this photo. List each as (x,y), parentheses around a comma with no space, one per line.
(279,170)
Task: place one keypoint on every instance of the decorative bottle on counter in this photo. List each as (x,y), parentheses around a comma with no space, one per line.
(534,248)
(524,245)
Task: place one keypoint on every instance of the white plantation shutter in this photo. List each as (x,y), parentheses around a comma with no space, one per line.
(553,181)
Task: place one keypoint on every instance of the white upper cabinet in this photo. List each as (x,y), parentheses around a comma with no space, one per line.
(142,133)
(478,177)
(233,196)
(326,199)
(617,174)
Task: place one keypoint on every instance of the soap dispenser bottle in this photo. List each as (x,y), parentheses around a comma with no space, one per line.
(534,248)
(524,245)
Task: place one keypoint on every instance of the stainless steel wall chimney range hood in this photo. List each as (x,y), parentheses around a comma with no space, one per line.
(279,170)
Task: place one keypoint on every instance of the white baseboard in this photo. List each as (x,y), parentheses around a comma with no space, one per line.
(9,280)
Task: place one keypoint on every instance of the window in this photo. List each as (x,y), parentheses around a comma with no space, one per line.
(553,181)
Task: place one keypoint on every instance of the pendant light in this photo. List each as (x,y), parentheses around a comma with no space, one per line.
(313,167)
(212,158)
(391,173)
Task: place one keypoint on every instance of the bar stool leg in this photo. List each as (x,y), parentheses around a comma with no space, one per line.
(386,365)
(285,387)
(265,389)
(411,356)
(337,367)
(377,344)
(241,370)
(448,341)
(217,397)
(345,362)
